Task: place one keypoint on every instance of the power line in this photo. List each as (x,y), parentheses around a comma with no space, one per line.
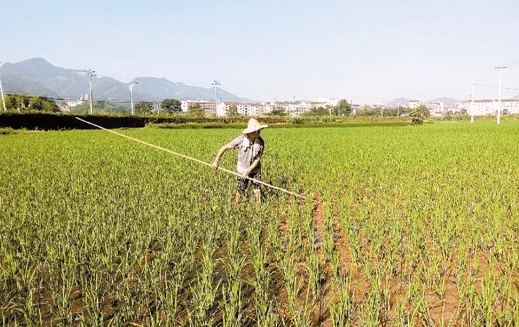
(496,87)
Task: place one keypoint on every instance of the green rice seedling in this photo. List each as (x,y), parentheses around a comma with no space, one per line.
(274,237)
(232,303)
(314,273)
(403,316)
(261,281)
(342,308)
(489,295)
(420,307)
(292,285)
(232,293)
(355,242)
(206,289)
(371,310)
(98,230)
(328,237)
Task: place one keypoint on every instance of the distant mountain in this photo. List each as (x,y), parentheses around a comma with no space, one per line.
(38,77)
(398,102)
(448,101)
(60,81)
(15,85)
(162,88)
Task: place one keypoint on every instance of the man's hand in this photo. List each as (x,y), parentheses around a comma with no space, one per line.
(245,174)
(215,165)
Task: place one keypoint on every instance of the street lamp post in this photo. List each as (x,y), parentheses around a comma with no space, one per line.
(90,73)
(499,94)
(215,83)
(1,89)
(472,105)
(131,94)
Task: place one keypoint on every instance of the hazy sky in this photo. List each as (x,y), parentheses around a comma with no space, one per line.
(368,51)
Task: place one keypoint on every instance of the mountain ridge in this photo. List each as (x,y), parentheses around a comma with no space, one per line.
(37,76)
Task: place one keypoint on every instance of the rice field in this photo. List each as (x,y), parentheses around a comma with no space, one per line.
(402,226)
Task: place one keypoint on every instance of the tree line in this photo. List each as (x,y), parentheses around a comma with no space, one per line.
(343,108)
(167,105)
(22,102)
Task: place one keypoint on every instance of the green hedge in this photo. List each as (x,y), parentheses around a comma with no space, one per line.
(56,121)
(59,121)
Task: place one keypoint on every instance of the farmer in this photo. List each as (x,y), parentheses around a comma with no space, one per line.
(250,148)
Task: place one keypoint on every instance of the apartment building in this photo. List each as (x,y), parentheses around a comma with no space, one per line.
(414,103)
(243,108)
(254,108)
(300,108)
(436,108)
(483,107)
(207,107)
(249,108)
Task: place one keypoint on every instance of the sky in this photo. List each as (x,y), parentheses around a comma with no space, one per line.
(365,51)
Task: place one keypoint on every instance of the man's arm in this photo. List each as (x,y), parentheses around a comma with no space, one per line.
(224,148)
(252,166)
(219,155)
(257,159)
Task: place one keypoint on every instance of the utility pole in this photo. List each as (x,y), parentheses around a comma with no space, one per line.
(131,94)
(499,96)
(472,105)
(1,89)
(215,83)
(90,73)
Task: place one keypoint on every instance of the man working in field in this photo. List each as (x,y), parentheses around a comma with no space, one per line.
(250,148)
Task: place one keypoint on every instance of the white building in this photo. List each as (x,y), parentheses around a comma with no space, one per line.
(243,108)
(305,106)
(267,107)
(436,108)
(208,107)
(484,107)
(249,108)
(297,109)
(256,108)
(414,103)
(221,109)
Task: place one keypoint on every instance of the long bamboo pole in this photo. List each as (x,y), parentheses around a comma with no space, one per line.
(193,159)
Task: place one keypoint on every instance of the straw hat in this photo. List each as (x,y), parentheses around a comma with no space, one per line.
(253,126)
